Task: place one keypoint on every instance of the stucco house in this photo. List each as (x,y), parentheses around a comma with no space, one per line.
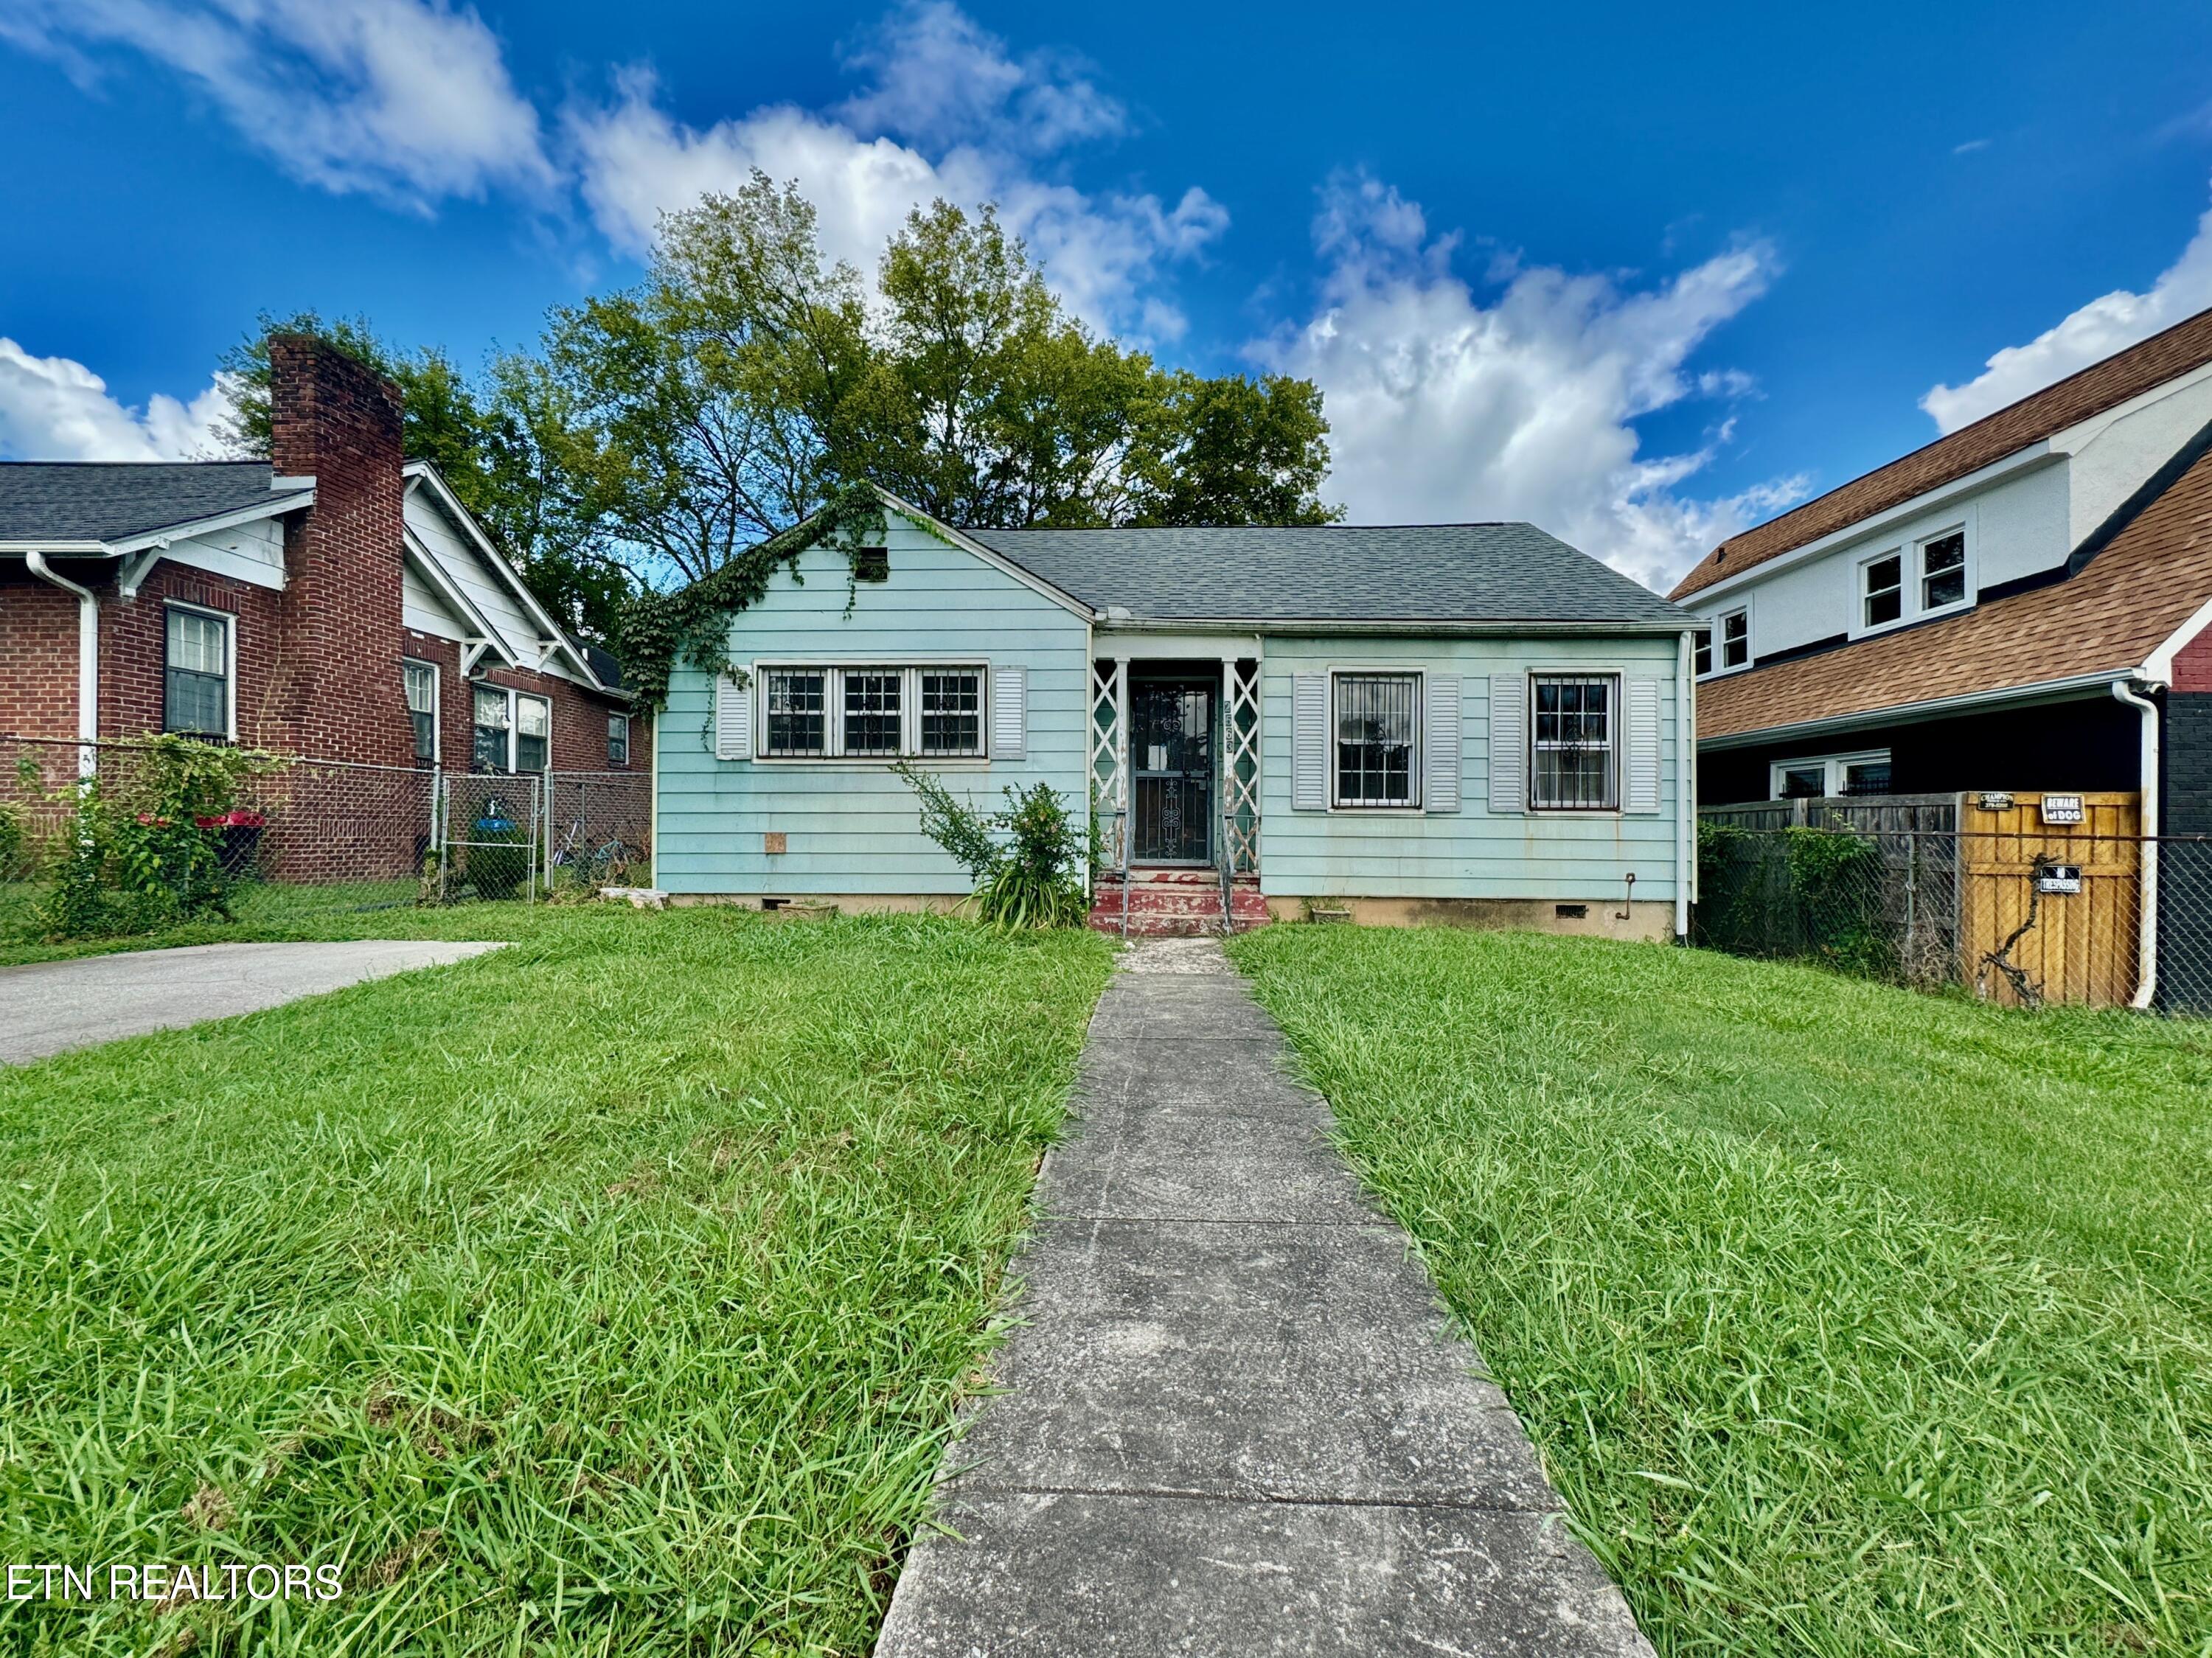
(1470,722)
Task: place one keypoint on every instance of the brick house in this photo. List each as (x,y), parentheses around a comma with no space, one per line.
(335,601)
(2023,604)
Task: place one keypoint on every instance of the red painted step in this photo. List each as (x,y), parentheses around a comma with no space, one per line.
(1176,902)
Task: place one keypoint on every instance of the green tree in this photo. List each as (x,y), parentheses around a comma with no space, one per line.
(1230,450)
(709,400)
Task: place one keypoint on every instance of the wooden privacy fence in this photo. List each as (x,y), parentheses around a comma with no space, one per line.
(2051,911)
(2026,897)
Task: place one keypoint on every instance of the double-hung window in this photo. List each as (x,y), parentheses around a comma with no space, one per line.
(875,711)
(1735,631)
(951,713)
(617,740)
(195,689)
(1943,571)
(511,730)
(1377,739)
(1881,590)
(420,680)
(1573,757)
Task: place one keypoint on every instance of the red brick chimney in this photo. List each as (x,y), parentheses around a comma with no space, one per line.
(337,692)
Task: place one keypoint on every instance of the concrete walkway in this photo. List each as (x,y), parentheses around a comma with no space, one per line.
(50,1007)
(1234,1422)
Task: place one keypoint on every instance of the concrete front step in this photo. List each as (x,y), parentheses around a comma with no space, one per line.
(1177,903)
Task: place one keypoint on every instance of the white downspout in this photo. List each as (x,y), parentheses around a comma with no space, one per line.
(88,662)
(2152,780)
(1685,783)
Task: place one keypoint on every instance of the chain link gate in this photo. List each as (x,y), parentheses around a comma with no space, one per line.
(495,821)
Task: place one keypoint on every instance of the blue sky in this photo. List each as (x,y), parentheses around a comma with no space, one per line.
(1642,277)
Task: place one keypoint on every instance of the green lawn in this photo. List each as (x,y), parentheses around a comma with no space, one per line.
(1848,1319)
(608,1294)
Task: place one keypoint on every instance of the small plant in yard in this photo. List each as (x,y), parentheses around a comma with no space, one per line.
(149,851)
(1027,861)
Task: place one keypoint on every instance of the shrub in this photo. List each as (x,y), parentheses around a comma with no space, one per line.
(1027,861)
(136,855)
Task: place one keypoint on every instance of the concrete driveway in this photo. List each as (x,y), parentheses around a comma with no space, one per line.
(50,1007)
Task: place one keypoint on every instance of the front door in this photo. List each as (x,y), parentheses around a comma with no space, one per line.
(1171,751)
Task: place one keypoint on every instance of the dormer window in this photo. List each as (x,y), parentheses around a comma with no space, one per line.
(1882,596)
(1943,571)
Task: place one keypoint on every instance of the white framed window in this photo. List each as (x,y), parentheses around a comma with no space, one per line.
(1725,646)
(1943,583)
(1375,721)
(1827,775)
(420,680)
(1881,589)
(1574,759)
(533,733)
(198,672)
(617,740)
(881,712)
(510,731)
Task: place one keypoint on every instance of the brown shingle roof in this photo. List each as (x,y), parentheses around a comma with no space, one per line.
(2102,386)
(2147,581)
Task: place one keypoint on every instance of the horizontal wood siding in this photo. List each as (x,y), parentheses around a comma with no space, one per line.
(1471,852)
(853,827)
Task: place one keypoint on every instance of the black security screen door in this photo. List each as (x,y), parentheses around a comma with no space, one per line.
(1171,749)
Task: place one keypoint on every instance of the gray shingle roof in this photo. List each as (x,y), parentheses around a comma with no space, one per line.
(1414,573)
(102,500)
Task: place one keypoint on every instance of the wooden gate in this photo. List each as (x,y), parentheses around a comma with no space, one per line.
(2078,947)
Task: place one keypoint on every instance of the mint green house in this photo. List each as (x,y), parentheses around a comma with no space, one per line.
(1449,722)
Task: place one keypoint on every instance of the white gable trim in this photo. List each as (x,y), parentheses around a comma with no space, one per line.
(1006,567)
(456,599)
(422,473)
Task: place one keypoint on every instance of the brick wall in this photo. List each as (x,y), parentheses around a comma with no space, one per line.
(335,685)
(2192,664)
(38,654)
(2184,895)
(134,650)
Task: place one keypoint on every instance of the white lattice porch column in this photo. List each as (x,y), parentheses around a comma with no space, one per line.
(1109,746)
(1240,761)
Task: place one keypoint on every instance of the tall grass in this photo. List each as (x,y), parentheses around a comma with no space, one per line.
(609,1293)
(1848,1321)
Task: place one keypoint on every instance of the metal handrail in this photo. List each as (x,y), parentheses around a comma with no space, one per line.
(1121,835)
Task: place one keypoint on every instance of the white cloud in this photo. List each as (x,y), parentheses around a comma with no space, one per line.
(1441,408)
(409,100)
(948,114)
(2105,325)
(56,409)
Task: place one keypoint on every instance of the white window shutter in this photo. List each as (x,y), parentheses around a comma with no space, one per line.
(1641,791)
(1508,742)
(1440,760)
(1010,713)
(1310,742)
(733,720)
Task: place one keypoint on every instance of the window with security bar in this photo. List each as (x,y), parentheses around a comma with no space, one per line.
(873,720)
(876,711)
(951,712)
(1573,758)
(1377,727)
(796,699)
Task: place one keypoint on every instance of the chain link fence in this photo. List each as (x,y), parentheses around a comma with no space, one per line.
(2013,918)
(311,836)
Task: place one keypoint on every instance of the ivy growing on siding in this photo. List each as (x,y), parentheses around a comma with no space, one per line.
(692,624)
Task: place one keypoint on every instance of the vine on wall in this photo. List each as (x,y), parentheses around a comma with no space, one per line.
(692,625)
